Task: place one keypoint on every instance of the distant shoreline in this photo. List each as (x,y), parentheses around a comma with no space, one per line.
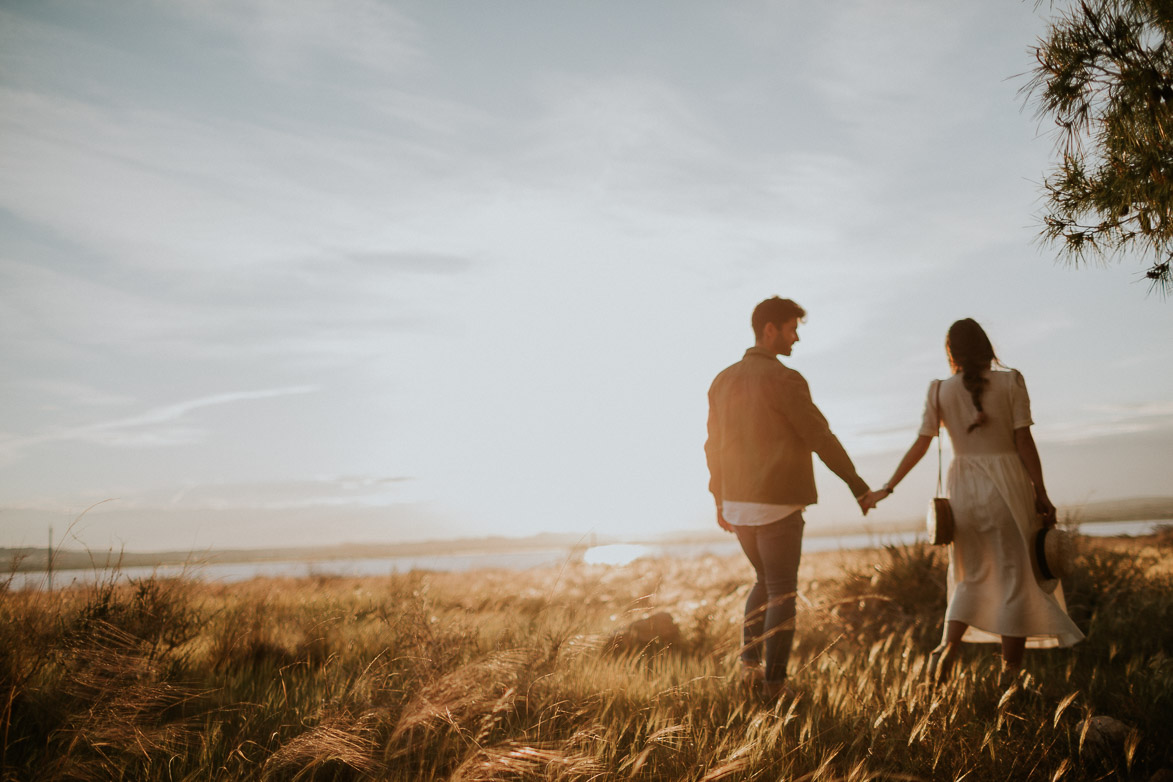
(32,560)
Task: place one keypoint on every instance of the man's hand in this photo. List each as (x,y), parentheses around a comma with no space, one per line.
(871,500)
(721,521)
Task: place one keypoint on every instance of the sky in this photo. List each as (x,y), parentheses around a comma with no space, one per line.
(314,272)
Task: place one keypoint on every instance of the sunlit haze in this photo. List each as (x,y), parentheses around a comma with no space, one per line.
(307,273)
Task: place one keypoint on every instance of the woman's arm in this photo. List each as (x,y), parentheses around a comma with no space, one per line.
(1024,442)
(915,453)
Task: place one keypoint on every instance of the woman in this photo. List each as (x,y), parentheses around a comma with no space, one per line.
(995,485)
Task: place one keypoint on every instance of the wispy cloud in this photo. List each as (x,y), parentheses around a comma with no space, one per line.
(63,393)
(1105,420)
(295,38)
(410,262)
(331,491)
(332,309)
(155,427)
(337,491)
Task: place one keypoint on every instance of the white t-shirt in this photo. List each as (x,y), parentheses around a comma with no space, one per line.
(755,514)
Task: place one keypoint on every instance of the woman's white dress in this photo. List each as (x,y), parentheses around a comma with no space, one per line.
(993,587)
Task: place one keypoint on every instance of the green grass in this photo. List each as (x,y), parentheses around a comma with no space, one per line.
(497,675)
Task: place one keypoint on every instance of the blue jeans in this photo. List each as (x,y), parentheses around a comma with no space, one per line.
(774,550)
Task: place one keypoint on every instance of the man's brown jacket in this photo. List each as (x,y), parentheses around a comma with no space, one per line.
(763,428)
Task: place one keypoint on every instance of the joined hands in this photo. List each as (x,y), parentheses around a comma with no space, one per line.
(872,499)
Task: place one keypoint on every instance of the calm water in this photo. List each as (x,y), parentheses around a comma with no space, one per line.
(618,554)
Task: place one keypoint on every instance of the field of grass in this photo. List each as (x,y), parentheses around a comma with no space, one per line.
(499,675)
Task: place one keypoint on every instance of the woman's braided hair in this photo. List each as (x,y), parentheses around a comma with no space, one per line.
(971,354)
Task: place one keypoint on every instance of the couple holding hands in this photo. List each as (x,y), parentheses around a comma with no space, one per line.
(763,428)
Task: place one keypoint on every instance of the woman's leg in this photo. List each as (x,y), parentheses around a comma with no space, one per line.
(954,631)
(1013,648)
(942,658)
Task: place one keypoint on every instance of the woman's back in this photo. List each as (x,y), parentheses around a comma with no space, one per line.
(1004,401)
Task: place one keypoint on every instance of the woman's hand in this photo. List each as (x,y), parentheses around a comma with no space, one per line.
(872,499)
(1024,443)
(1046,510)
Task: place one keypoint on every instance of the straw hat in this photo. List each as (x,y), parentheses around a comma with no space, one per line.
(1054,556)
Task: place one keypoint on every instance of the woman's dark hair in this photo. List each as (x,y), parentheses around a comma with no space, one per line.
(776,311)
(970,353)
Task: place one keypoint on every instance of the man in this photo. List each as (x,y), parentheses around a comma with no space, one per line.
(763,428)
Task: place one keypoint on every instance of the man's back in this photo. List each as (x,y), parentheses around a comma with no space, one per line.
(763,428)
(755,452)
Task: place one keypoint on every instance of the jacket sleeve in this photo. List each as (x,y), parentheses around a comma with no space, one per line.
(713,450)
(812,427)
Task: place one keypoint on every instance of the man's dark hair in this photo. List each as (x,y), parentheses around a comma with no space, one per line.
(776,311)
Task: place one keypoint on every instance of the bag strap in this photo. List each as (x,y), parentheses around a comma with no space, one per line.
(939,458)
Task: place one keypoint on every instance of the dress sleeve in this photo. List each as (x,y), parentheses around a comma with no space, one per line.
(1020,402)
(931,423)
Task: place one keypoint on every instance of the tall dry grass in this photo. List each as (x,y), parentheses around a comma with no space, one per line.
(498,675)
